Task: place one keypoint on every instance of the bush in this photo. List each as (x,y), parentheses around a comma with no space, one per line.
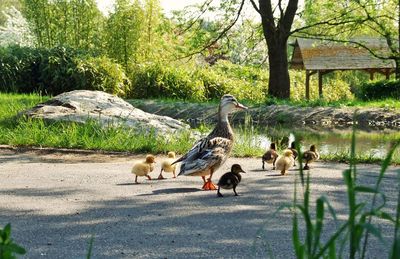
(379,90)
(196,83)
(153,80)
(58,70)
(333,88)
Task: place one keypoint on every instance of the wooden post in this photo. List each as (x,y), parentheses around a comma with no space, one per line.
(308,74)
(320,84)
(371,75)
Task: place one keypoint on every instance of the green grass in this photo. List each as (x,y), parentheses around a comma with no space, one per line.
(19,131)
(355,231)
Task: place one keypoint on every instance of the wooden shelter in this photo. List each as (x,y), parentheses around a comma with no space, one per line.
(322,57)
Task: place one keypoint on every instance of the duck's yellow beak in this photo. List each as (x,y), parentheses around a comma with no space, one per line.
(241,106)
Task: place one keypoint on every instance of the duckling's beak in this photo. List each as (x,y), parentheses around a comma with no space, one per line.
(241,106)
(243,171)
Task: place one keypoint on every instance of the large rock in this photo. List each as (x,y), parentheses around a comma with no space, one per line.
(108,110)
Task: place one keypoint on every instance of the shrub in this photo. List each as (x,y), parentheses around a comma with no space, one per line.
(156,80)
(379,90)
(333,88)
(57,70)
(101,73)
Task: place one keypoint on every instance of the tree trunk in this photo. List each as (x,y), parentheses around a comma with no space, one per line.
(397,68)
(279,81)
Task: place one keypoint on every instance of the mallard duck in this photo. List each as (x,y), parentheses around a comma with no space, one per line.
(270,156)
(209,153)
(285,162)
(144,168)
(295,153)
(230,179)
(166,165)
(310,156)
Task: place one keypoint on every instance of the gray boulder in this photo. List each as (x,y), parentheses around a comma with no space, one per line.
(82,105)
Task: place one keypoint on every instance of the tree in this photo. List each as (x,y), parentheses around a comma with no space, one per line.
(123,32)
(73,23)
(15,30)
(368,17)
(276,32)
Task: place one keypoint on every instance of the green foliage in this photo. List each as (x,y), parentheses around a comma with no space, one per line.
(57,70)
(334,88)
(8,248)
(72,23)
(197,83)
(355,230)
(101,73)
(123,31)
(379,90)
(158,80)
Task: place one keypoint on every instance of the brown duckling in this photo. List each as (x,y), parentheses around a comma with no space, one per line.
(230,179)
(144,168)
(270,156)
(310,156)
(295,153)
(166,165)
(285,162)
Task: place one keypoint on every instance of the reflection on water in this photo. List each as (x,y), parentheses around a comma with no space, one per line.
(372,145)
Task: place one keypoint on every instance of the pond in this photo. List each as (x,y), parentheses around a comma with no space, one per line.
(333,144)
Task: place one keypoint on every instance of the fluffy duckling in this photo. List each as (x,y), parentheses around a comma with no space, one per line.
(310,156)
(295,153)
(230,179)
(285,162)
(270,156)
(166,165)
(144,168)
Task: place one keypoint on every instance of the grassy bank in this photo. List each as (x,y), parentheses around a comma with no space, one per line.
(251,141)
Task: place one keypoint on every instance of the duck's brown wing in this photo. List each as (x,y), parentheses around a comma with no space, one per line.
(204,155)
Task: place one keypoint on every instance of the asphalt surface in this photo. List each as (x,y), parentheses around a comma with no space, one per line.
(56,202)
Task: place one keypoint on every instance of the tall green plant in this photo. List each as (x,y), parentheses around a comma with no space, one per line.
(123,31)
(358,225)
(8,248)
(73,23)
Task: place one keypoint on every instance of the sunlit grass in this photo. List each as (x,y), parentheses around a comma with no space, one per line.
(19,131)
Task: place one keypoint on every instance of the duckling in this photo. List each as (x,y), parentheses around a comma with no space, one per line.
(285,162)
(310,156)
(295,153)
(270,156)
(144,168)
(166,165)
(230,179)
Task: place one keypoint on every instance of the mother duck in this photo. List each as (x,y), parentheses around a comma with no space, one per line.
(209,153)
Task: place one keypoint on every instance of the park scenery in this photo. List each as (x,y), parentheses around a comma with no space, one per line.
(199,129)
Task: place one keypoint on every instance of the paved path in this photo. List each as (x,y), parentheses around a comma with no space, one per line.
(56,202)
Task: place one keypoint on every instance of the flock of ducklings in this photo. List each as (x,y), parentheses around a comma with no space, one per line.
(231,179)
(288,159)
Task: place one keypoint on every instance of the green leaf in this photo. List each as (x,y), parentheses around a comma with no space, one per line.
(365,189)
(373,230)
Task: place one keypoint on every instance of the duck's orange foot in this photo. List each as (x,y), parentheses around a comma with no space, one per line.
(160,177)
(209,186)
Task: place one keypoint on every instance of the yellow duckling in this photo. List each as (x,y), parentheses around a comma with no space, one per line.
(310,156)
(166,165)
(144,168)
(285,162)
(270,156)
